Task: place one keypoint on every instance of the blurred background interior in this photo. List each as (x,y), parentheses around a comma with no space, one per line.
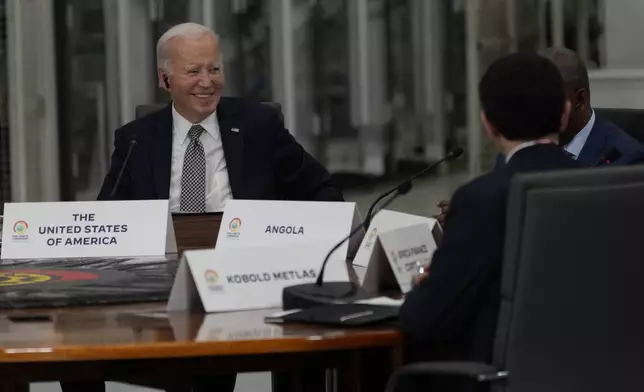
(374,89)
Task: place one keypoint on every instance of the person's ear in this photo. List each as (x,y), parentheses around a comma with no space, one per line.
(490,130)
(164,80)
(565,116)
(582,98)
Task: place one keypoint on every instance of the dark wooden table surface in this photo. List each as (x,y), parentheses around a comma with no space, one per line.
(125,343)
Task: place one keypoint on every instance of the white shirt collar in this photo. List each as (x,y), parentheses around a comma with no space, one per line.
(526,145)
(519,148)
(181,126)
(579,141)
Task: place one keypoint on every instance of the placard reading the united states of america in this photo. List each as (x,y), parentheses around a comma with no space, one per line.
(87,229)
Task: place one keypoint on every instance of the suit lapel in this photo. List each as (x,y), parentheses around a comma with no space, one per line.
(162,153)
(595,144)
(232,138)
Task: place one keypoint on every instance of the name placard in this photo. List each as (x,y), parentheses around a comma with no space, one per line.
(262,247)
(87,229)
(282,223)
(393,249)
(217,280)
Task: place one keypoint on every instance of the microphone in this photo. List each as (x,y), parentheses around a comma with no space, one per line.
(453,154)
(125,162)
(307,295)
(609,156)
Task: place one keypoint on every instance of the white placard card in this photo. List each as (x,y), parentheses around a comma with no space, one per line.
(262,247)
(87,229)
(279,223)
(218,280)
(395,246)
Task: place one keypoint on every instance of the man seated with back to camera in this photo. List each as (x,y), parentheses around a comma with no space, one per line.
(204,149)
(588,138)
(457,303)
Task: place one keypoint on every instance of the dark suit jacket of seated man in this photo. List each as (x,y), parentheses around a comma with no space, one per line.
(263,160)
(596,139)
(454,309)
(459,298)
(588,137)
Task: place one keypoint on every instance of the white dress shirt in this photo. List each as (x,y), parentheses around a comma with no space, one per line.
(217,183)
(579,141)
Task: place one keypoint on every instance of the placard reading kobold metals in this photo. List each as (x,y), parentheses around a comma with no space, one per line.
(262,247)
(87,229)
(227,279)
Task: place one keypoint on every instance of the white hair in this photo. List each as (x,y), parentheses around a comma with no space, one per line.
(192,30)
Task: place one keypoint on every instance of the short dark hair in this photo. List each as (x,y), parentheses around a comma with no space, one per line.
(571,66)
(522,95)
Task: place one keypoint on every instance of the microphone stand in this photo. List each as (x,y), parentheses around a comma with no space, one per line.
(312,294)
(307,295)
(117,183)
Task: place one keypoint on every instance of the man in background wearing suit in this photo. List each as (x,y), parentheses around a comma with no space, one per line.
(204,149)
(523,109)
(588,138)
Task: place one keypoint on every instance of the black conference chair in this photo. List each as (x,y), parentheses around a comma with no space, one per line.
(630,120)
(144,110)
(570,317)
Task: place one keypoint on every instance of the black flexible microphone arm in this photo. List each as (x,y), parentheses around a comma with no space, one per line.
(364,225)
(455,153)
(125,162)
(399,190)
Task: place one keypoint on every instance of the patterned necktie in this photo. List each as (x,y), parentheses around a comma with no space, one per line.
(193,177)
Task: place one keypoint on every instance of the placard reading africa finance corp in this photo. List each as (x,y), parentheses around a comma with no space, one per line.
(87,229)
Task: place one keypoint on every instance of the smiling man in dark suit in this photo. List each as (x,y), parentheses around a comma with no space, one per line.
(457,303)
(204,149)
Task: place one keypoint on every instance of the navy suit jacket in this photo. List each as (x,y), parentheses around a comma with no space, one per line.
(264,161)
(457,305)
(603,137)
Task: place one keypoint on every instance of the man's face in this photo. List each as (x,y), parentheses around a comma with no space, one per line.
(197,77)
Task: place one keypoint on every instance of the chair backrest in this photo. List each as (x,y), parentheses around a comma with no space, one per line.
(630,120)
(144,110)
(572,282)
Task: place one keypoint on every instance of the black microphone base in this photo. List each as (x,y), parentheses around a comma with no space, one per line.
(304,296)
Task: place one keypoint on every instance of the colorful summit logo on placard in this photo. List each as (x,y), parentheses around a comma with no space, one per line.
(233,228)
(212,280)
(234,225)
(20,227)
(20,230)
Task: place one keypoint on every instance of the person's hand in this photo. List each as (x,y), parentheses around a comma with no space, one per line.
(444,206)
(422,276)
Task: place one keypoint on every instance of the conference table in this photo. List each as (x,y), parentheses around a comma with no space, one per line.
(88,319)
(105,319)
(144,344)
